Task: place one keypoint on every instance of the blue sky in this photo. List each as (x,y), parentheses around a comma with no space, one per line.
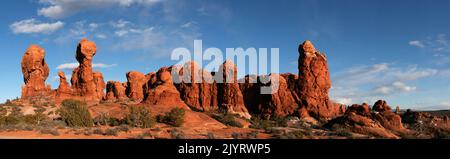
(376,49)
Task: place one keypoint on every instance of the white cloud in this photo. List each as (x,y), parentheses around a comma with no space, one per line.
(417,43)
(435,44)
(32,26)
(379,81)
(75,65)
(67,66)
(187,25)
(64,8)
(345,101)
(393,88)
(120,24)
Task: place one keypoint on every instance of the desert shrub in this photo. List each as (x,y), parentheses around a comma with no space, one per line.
(176,134)
(111,132)
(292,135)
(140,117)
(11,119)
(51,131)
(265,124)
(3,111)
(106,120)
(252,135)
(39,109)
(35,119)
(75,113)
(123,128)
(175,117)
(211,136)
(228,119)
(236,135)
(98,131)
(343,132)
(440,133)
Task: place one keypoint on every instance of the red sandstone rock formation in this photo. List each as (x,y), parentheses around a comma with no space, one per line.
(229,94)
(363,109)
(161,90)
(35,72)
(99,85)
(361,124)
(85,83)
(197,87)
(381,115)
(280,104)
(381,106)
(314,83)
(64,91)
(115,91)
(135,85)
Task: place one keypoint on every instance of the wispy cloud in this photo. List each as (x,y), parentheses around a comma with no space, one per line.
(33,26)
(435,44)
(372,82)
(75,65)
(65,8)
(417,43)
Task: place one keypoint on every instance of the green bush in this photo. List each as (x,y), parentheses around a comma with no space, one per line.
(111,132)
(175,117)
(106,120)
(260,123)
(75,113)
(35,119)
(140,117)
(228,119)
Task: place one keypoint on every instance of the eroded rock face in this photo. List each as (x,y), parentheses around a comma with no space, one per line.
(381,106)
(162,91)
(115,91)
(363,109)
(197,87)
(35,72)
(361,124)
(380,113)
(314,83)
(99,85)
(280,104)
(229,94)
(64,91)
(135,85)
(85,83)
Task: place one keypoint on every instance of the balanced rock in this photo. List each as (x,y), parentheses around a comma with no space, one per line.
(314,83)
(84,83)
(35,71)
